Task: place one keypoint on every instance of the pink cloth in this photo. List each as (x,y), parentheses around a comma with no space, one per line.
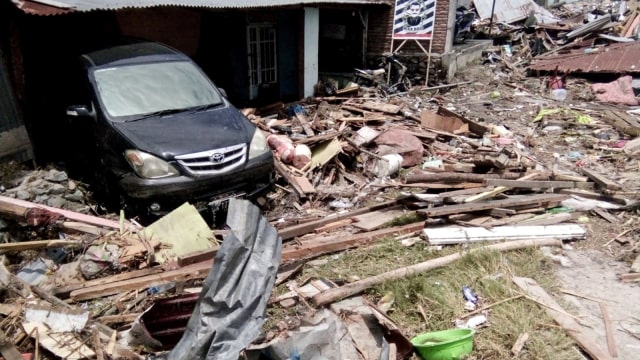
(617,92)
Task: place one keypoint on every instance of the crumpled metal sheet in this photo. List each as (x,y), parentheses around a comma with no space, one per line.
(232,304)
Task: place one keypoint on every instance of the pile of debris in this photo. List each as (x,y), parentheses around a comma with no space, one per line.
(463,181)
(502,162)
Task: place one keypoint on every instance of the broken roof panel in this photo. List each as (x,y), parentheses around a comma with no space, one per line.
(55,7)
(623,57)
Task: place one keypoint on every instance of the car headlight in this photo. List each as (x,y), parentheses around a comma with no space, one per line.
(148,166)
(258,144)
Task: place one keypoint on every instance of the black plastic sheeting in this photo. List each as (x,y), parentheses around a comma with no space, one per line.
(233,301)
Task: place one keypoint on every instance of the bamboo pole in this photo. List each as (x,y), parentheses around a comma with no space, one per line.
(361,285)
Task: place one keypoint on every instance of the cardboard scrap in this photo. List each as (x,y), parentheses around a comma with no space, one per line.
(182,231)
(449,124)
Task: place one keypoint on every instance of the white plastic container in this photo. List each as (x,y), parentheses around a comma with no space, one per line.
(388,165)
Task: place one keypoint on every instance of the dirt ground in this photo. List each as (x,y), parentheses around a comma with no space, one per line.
(595,263)
(593,274)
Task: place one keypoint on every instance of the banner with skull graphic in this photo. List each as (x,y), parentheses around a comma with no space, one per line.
(414,19)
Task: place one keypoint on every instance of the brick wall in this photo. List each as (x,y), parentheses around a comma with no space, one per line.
(381,24)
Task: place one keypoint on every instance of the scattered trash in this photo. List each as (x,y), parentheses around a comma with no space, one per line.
(469,295)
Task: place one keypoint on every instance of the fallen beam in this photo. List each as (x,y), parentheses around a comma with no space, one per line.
(487,205)
(195,271)
(531,184)
(20,209)
(456,177)
(317,247)
(361,285)
(582,336)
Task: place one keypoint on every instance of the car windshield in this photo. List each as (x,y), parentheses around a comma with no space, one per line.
(134,91)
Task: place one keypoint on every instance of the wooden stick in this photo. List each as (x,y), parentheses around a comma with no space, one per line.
(38,244)
(519,344)
(617,237)
(490,306)
(611,341)
(361,285)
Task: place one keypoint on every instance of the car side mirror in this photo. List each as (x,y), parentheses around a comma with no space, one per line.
(79,111)
(223,92)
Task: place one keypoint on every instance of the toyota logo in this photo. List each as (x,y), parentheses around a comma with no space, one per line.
(217,157)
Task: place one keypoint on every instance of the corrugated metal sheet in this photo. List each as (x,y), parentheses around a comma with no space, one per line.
(55,7)
(623,57)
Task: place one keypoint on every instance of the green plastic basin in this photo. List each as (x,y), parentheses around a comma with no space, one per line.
(444,345)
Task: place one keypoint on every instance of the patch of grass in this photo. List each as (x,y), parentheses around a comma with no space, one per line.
(408,218)
(439,293)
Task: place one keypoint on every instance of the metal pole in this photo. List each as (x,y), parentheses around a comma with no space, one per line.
(493,7)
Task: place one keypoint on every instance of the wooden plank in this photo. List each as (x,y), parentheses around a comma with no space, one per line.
(282,170)
(375,219)
(486,205)
(585,339)
(19,208)
(118,319)
(475,127)
(601,180)
(334,225)
(383,107)
(316,247)
(606,215)
(197,256)
(630,277)
(456,177)
(510,220)
(64,291)
(301,229)
(195,271)
(547,219)
(566,177)
(531,184)
(500,212)
(498,190)
(622,122)
(305,123)
(611,341)
(304,184)
(472,191)
(7,349)
(596,196)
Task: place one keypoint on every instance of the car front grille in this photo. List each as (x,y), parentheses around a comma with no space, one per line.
(216,161)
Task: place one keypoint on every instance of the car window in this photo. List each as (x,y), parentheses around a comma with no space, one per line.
(142,89)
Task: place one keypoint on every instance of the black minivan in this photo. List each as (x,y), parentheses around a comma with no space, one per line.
(160,133)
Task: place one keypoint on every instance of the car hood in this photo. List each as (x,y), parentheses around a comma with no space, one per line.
(185,133)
